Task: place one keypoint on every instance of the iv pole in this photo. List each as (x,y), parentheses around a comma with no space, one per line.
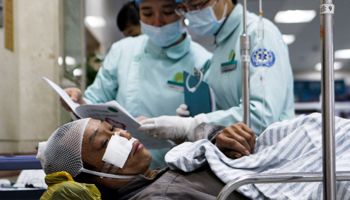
(245,54)
(327,86)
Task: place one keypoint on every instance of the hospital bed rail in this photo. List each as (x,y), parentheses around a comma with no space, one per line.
(19,162)
(328,176)
(276,178)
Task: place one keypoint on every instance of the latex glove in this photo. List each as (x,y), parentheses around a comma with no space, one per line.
(183,111)
(236,140)
(171,127)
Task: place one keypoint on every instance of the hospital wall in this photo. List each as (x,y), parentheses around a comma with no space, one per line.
(29,109)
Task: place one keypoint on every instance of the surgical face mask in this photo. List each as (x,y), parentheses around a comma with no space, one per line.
(116,154)
(204,22)
(163,36)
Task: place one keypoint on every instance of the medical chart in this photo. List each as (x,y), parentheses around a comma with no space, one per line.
(111,111)
(201,99)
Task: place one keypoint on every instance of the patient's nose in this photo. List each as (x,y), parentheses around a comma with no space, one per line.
(125,134)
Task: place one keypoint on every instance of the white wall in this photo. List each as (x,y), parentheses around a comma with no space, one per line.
(29,108)
(108,10)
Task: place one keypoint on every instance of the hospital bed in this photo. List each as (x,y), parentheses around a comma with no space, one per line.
(20,163)
(329,176)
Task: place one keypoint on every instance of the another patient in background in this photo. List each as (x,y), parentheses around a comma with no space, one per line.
(128,20)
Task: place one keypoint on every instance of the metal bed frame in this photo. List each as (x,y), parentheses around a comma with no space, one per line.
(329,175)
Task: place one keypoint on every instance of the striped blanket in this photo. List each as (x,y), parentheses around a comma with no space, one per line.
(284,147)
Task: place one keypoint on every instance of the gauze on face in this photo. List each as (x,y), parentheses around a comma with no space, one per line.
(118,150)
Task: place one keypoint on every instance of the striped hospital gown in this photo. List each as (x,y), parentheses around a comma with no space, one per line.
(284,147)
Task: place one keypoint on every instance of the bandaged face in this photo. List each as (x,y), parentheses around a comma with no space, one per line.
(112,153)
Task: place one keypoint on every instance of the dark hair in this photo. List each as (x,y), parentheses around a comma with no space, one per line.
(234,2)
(128,13)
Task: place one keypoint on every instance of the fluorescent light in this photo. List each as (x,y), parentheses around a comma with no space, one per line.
(288,39)
(186,22)
(342,54)
(77,72)
(60,60)
(95,21)
(337,66)
(295,16)
(69,60)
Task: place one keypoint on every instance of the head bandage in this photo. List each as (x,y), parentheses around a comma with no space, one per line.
(62,151)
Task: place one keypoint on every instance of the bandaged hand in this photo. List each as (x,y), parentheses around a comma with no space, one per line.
(171,127)
(182,111)
(236,141)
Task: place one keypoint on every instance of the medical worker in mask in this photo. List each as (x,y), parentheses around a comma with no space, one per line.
(140,73)
(271,78)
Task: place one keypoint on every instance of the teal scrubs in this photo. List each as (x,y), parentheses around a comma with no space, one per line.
(135,73)
(227,86)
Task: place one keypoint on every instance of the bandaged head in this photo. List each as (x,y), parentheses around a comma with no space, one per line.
(62,152)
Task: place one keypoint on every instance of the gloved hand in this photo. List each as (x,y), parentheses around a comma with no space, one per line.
(171,127)
(182,111)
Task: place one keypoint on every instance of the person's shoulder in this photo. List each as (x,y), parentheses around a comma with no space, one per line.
(253,22)
(270,29)
(124,49)
(198,49)
(270,26)
(129,41)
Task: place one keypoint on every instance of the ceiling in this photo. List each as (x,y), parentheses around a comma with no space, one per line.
(305,51)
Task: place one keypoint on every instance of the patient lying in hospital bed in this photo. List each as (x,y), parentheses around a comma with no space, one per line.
(80,146)
(199,170)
